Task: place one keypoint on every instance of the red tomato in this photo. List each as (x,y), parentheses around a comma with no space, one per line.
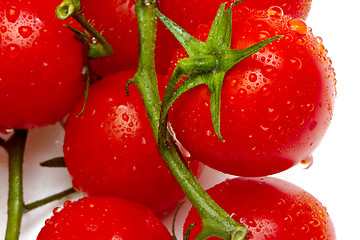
(276,105)
(103,218)
(116,21)
(271,209)
(41,65)
(110,148)
(190,14)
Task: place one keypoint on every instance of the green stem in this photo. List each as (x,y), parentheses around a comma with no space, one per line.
(15,147)
(145,78)
(71,8)
(216,222)
(42,202)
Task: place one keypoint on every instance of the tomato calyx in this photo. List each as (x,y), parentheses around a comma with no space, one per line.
(208,61)
(98,45)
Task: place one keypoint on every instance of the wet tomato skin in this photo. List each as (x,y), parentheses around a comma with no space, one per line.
(270,208)
(110,148)
(41,65)
(116,20)
(276,105)
(190,14)
(104,218)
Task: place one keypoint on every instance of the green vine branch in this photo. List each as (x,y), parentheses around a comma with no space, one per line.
(15,147)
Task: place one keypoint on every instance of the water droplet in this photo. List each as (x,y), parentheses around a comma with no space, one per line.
(272,114)
(13,50)
(3,29)
(67,203)
(288,219)
(125,117)
(253,77)
(250,223)
(298,25)
(56,210)
(305,228)
(289,105)
(295,63)
(266,134)
(288,38)
(301,41)
(307,163)
(319,40)
(7,131)
(269,72)
(275,11)
(25,31)
(321,48)
(242,92)
(12,14)
(265,90)
(281,203)
(315,222)
(263,35)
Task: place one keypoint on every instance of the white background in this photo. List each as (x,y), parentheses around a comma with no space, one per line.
(334,177)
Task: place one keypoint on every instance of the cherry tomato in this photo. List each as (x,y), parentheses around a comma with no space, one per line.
(276,105)
(271,209)
(103,218)
(116,21)
(41,65)
(190,14)
(110,148)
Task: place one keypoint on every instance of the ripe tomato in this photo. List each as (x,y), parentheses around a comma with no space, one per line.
(103,218)
(276,105)
(190,14)
(270,208)
(41,65)
(110,148)
(116,21)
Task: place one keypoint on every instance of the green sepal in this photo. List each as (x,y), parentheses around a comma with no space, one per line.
(193,46)
(217,49)
(72,8)
(57,162)
(188,230)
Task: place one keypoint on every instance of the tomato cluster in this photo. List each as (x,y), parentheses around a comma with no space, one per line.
(276,106)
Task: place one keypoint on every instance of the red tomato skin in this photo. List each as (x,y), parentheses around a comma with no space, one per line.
(41,74)
(103,218)
(110,148)
(116,21)
(271,209)
(190,14)
(276,105)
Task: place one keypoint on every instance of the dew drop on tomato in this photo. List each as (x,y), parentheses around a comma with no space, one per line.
(12,14)
(253,77)
(7,131)
(298,26)
(272,114)
(25,31)
(307,163)
(13,50)
(265,90)
(315,223)
(275,11)
(296,63)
